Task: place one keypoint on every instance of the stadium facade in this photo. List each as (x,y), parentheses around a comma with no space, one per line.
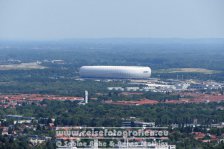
(115,72)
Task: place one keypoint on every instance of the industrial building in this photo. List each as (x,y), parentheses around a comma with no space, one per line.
(115,72)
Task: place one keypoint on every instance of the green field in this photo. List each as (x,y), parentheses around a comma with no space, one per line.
(22,66)
(187,70)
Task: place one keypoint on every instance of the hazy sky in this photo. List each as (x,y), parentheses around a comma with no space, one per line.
(59,19)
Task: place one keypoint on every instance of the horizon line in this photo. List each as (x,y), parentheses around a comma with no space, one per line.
(112,38)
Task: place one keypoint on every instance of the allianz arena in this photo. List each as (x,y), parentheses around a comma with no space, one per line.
(115,72)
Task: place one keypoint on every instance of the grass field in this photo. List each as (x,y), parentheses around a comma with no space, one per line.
(187,70)
(22,66)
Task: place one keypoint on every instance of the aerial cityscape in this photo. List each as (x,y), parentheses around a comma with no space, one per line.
(42,94)
(111,74)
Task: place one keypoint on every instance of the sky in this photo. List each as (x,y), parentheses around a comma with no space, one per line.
(67,19)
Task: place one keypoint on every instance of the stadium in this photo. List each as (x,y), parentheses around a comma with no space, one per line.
(115,72)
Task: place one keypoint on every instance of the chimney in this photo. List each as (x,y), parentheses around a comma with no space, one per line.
(86,96)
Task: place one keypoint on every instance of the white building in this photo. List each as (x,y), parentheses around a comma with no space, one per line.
(115,72)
